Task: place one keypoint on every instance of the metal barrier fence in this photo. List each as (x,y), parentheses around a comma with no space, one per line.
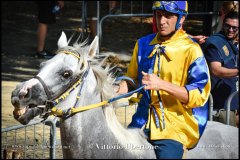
(141,9)
(189,24)
(124,11)
(210,105)
(229,100)
(36,140)
(126,111)
(39,139)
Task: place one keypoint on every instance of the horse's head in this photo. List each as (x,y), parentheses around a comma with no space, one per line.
(54,78)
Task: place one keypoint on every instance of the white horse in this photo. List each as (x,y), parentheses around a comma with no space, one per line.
(96,133)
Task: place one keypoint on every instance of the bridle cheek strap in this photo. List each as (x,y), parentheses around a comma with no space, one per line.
(44,86)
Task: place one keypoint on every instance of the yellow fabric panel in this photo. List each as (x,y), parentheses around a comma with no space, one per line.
(176,128)
(196,98)
(132,71)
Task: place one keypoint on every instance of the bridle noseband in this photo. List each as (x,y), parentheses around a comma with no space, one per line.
(45,87)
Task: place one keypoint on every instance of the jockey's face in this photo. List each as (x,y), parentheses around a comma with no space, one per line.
(230,28)
(166,23)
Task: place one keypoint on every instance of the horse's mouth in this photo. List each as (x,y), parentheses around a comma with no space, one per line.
(19,111)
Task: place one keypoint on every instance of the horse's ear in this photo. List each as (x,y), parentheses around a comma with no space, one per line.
(93,48)
(62,41)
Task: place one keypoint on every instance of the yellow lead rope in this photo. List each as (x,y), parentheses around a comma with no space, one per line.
(59,112)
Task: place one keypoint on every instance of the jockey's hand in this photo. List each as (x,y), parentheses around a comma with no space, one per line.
(122,88)
(151,80)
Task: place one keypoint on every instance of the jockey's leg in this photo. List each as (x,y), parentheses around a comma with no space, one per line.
(168,149)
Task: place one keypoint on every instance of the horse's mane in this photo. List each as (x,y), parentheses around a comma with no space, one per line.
(125,136)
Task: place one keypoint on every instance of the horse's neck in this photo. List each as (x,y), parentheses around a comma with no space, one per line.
(91,132)
(83,128)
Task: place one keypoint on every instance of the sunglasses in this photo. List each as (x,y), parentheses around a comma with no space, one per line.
(228,26)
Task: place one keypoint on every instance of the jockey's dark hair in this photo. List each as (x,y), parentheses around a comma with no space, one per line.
(231,15)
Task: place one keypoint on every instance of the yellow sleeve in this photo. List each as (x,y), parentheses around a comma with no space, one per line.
(196,98)
(199,84)
(132,71)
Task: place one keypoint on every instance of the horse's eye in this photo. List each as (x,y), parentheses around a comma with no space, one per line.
(66,74)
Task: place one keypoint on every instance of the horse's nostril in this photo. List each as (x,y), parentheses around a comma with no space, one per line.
(15,101)
(20,96)
(23,95)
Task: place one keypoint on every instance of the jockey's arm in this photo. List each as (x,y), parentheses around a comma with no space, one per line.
(153,82)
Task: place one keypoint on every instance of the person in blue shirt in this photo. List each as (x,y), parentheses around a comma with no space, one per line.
(221,53)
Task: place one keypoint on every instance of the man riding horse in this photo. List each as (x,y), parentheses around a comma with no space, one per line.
(174,70)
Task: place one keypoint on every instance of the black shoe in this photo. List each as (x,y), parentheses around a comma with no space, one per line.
(44,54)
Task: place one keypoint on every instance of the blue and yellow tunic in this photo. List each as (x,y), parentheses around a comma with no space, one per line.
(183,64)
